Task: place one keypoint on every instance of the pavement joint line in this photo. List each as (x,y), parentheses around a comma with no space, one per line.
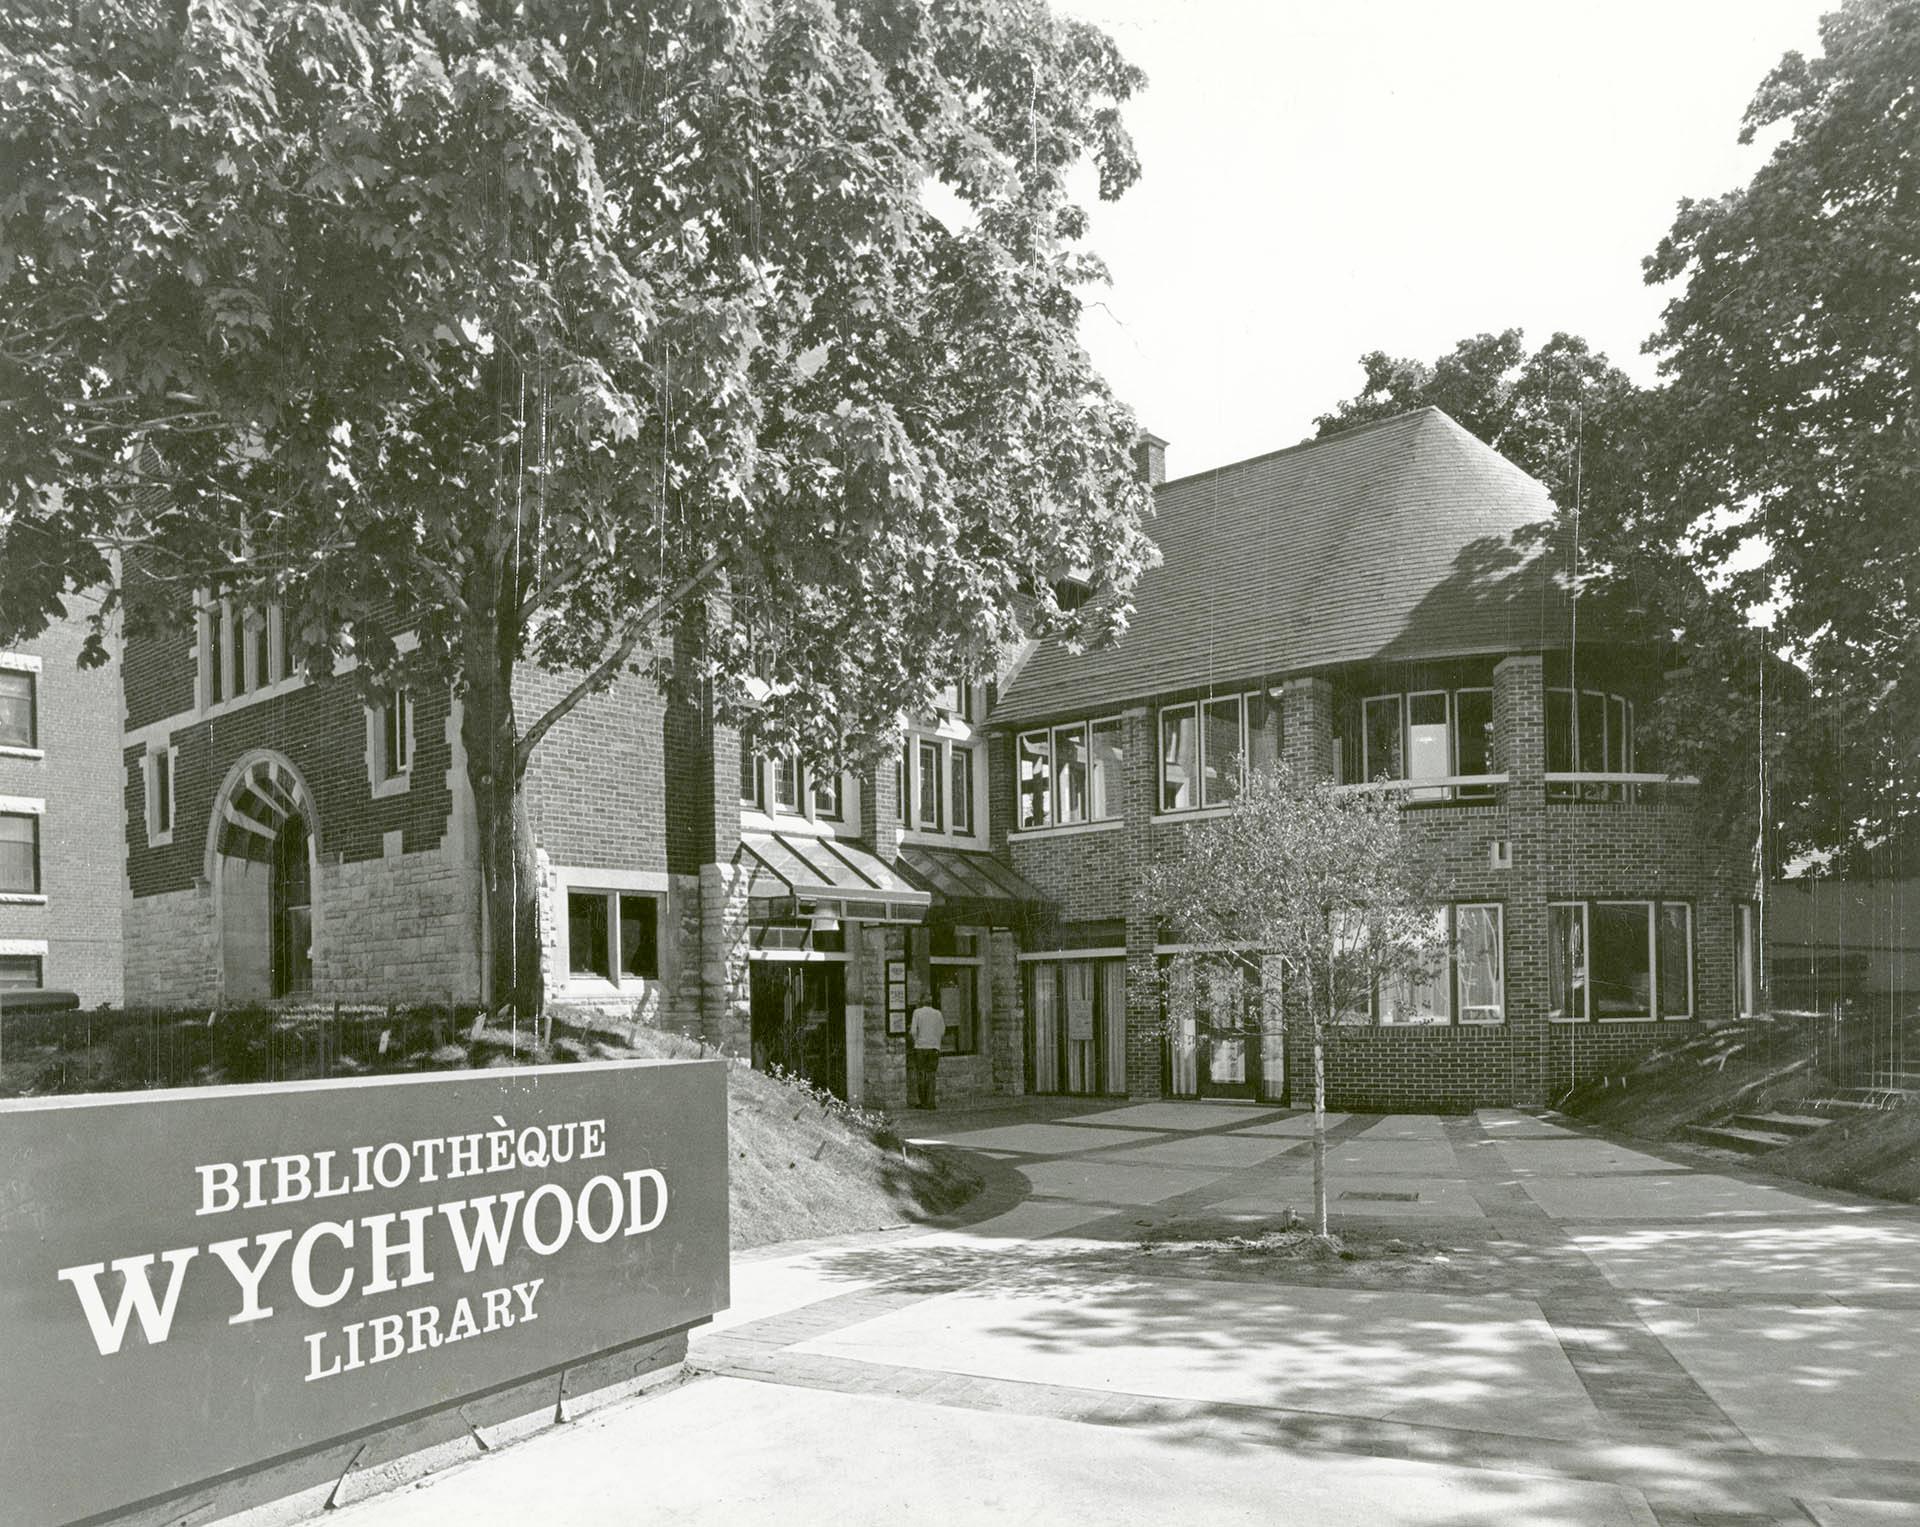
(1637,1384)
(1891,1480)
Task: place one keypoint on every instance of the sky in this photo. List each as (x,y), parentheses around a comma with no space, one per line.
(1321,180)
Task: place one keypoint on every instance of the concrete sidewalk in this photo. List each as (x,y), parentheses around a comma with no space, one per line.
(1613,1336)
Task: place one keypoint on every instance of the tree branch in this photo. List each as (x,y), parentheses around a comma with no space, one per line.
(603,671)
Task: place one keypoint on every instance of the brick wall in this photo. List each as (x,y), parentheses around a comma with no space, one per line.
(74,771)
(1653,848)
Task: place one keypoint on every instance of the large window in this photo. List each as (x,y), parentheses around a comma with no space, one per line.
(613,935)
(1588,732)
(1469,981)
(793,788)
(956,970)
(1422,738)
(1071,773)
(20,853)
(1619,960)
(19,724)
(1207,748)
(244,649)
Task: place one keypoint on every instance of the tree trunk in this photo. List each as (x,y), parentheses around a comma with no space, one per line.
(489,727)
(1318,1025)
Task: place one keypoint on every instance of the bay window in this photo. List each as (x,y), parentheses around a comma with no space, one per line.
(1619,960)
(1420,739)
(1588,732)
(1071,774)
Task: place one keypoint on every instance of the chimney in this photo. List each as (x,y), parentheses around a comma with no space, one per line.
(1150,458)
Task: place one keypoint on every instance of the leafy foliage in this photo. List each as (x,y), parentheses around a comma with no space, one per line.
(1791,367)
(596,334)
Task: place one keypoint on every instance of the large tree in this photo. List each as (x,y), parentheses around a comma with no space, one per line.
(1791,366)
(597,334)
(1331,880)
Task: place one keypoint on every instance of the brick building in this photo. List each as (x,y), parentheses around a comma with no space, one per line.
(61,851)
(1386,605)
(1382,605)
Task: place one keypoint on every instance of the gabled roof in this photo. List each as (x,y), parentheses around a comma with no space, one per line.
(1403,540)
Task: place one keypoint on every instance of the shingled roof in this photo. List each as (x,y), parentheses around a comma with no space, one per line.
(1403,540)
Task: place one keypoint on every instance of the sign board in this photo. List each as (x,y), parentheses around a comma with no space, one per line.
(896,996)
(200,1281)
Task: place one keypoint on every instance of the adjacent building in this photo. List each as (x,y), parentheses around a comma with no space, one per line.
(61,850)
(1386,606)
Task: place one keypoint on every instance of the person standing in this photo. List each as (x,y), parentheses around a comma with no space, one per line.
(926,1030)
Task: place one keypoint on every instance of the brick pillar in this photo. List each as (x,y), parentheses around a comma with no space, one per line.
(1003,803)
(1306,713)
(880,811)
(1520,751)
(1146,1045)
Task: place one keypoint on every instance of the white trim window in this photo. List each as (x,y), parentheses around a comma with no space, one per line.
(786,787)
(1072,773)
(1208,748)
(162,764)
(20,846)
(1615,961)
(390,742)
(613,936)
(242,649)
(19,705)
(1424,735)
(1469,987)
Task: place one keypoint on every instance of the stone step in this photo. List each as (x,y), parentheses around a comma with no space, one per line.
(1783,1123)
(1730,1137)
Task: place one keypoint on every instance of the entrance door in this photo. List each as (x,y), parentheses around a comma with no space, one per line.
(290,909)
(1225,1038)
(800,1020)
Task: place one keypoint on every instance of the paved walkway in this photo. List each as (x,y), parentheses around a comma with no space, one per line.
(1577,1332)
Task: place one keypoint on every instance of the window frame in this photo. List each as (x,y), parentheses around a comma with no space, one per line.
(1193,766)
(977,962)
(922,777)
(1657,998)
(1746,959)
(960,787)
(613,915)
(1208,774)
(158,761)
(38,887)
(1449,978)
(31,676)
(1059,774)
(37,961)
(1201,774)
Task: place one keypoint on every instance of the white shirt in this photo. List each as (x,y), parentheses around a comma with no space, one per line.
(929,1027)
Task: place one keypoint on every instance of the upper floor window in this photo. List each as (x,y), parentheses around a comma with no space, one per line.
(957,700)
(396,732)
(19,717)
(20,852)
(1208,747)
(961,772)
(938,788)
(243,649)
(928,808)
(1588,732)
(1071,773)
(1421,736)
(1619,960)
(792,787)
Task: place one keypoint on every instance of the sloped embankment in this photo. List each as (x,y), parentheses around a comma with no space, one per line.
(802,1163)
(1788,1063)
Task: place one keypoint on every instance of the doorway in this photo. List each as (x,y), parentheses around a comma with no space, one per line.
(800,1020)
(1225,1034)
(290,903)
